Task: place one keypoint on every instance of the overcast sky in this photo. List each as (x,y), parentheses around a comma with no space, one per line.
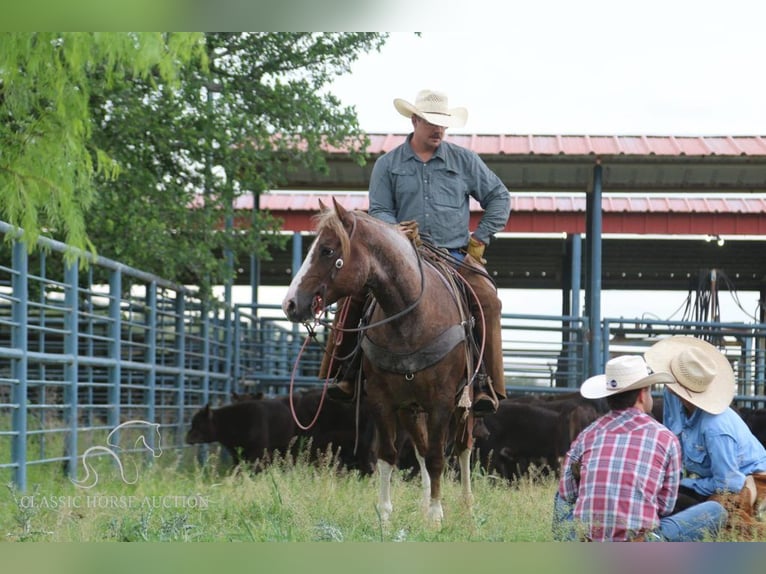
(671,67)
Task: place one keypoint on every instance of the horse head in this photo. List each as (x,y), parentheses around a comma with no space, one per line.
(331,269)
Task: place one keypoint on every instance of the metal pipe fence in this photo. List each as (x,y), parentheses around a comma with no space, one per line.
(82,353)
(87,354)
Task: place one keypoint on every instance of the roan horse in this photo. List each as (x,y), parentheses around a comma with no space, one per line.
(417,355)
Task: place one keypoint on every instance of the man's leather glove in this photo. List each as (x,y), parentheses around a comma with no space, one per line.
(476,250)
(410,229)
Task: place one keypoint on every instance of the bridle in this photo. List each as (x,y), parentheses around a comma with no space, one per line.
(339,263)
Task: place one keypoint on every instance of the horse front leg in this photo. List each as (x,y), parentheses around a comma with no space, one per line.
(385,506)
(414,424)
(464,458)
(464,446)
(425,479)
(385,424)
(438,423)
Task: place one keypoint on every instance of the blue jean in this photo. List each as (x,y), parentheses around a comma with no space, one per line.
(689,525)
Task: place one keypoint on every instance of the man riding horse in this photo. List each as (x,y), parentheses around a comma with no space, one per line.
(425,185)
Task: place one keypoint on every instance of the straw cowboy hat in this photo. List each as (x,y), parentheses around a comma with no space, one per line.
(624,373)
(434,108)
(703,375)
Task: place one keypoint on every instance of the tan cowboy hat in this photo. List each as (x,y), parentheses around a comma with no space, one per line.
(434,108)
(623,373)
(703,375)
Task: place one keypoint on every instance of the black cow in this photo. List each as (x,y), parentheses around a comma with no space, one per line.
(531,431)
(756,422)
(250,430)
(519,435)
(339,429)
(337,433)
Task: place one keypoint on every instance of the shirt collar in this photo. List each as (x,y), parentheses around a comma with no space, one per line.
(439,153)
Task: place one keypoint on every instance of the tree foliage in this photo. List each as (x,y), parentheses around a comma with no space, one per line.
(225,130)
(47,157)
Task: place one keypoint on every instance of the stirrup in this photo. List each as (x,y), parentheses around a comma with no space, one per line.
(484,404)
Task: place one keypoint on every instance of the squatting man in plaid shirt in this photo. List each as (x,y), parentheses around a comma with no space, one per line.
(621,475)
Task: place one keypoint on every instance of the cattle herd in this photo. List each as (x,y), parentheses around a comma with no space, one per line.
(528,431)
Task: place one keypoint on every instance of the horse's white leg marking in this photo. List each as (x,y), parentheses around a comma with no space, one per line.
(384,496)
(425,479)
(465,475)
(435,512)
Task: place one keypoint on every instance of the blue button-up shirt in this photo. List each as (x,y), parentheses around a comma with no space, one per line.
(436,193)
(719,451)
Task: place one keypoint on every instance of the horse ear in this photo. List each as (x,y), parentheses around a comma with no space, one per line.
(339,209)
(322,206)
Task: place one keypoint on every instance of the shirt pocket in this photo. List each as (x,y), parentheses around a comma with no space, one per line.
(404,181)
(697,458)
(449,190)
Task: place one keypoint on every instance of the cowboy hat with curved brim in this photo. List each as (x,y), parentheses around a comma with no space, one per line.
(624,373)
(434,108)
(703,375)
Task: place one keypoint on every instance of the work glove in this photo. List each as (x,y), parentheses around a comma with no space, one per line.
(410,229)
(476,249)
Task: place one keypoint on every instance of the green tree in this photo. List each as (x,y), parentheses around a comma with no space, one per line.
(228,129)
(48,162)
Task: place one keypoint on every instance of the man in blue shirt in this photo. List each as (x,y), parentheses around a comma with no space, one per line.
(721,456)
(425,185)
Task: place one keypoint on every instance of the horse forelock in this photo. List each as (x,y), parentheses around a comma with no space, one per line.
(328,220)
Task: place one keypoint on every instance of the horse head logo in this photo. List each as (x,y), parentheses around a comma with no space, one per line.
(113,449)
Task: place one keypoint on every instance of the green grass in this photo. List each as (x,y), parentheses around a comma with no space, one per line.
(175,499)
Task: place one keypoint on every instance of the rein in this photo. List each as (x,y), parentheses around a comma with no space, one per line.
(292,386)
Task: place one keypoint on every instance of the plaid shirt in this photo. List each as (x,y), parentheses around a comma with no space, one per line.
(629,471)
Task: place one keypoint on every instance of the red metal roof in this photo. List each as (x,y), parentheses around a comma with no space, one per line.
(583,145)
(541,213)
(306,201)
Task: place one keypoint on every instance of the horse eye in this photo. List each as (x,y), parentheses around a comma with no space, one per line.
(326,251)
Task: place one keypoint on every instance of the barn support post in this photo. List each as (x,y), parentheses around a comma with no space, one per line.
(572,309)
(297,261)
(576,258)
(255,261)
(20,305)
(593,295)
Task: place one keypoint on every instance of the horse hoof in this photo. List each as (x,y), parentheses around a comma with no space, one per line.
(435,513)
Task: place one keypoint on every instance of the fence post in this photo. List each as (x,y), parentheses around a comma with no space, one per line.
(236,374)
(20,342)
(115,348)
(71,336)
(180,309)
(205,336)
(151,354)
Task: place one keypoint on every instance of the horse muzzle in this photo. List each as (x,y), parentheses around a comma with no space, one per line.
(301,308)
